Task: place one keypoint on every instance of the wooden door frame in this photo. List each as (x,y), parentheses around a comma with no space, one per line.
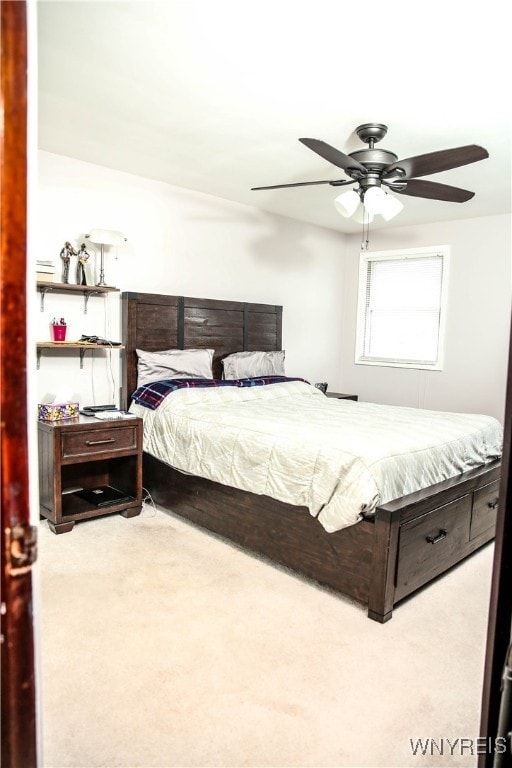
(18,537)
(500,608)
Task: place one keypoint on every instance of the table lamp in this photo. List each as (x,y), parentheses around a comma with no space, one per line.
(103,237)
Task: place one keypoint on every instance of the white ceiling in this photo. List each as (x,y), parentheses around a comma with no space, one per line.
(212,95)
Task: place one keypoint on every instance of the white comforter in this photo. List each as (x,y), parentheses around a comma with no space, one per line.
(339,458)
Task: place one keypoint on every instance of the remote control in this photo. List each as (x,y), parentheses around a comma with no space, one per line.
(95,408)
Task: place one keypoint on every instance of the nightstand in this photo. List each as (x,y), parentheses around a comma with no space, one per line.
(341,396)
(84,453)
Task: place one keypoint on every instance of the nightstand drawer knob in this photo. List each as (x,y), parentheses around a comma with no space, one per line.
(100,442)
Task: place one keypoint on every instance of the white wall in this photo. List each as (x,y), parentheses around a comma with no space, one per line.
(478,320)
(188,243)
(185,243)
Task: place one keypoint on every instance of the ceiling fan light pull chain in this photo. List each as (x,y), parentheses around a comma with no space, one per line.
(365,242)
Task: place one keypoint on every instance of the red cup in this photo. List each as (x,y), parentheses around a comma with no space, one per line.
(59,332)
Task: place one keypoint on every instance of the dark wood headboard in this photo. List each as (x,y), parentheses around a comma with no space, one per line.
(155,322)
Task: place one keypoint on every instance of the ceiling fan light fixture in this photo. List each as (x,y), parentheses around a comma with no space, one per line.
(378,201)
(347,203)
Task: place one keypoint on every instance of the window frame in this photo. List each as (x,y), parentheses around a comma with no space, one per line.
(394,255)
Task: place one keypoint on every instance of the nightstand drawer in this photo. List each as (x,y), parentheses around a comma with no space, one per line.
(97,441)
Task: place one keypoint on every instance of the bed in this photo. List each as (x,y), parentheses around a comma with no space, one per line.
(378,561)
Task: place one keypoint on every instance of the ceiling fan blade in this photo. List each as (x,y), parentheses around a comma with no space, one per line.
(306,184)
(434,162)
(431,190)
(333,155)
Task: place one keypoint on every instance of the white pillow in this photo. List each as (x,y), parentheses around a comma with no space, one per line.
(248,365)
(174,364)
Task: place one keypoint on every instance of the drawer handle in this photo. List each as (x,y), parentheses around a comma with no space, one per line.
(440,536)
(100,442)
(493,504)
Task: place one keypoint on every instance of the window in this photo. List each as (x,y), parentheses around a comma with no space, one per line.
(401,307)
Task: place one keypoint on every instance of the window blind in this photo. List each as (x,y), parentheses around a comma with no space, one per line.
(403,310)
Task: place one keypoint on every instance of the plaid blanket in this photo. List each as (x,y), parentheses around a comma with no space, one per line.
(151,395)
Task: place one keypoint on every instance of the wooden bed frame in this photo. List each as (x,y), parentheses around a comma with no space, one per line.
(378,561)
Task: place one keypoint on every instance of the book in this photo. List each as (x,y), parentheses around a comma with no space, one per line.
(104,495)
(45,277)
(113,415)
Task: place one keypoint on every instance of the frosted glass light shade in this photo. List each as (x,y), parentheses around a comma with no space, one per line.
(346,203)
(106,237)
(391,207)
(374,200)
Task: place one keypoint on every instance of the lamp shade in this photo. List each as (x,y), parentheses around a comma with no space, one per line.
(346,203)
(391,207)
(106,237)
(374,200)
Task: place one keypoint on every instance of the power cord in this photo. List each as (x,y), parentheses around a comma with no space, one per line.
(106,325)
(147,499)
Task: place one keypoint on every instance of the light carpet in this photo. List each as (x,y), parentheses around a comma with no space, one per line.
(162,646)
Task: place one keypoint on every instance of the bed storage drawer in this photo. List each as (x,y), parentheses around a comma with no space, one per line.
(432,543)
(485,508)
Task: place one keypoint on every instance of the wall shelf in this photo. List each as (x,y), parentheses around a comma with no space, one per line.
(82,346)
(87,291)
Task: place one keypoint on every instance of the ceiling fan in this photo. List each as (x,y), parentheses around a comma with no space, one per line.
(374,167)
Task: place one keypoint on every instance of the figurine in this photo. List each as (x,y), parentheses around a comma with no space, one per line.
(81,272)
(65,255)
